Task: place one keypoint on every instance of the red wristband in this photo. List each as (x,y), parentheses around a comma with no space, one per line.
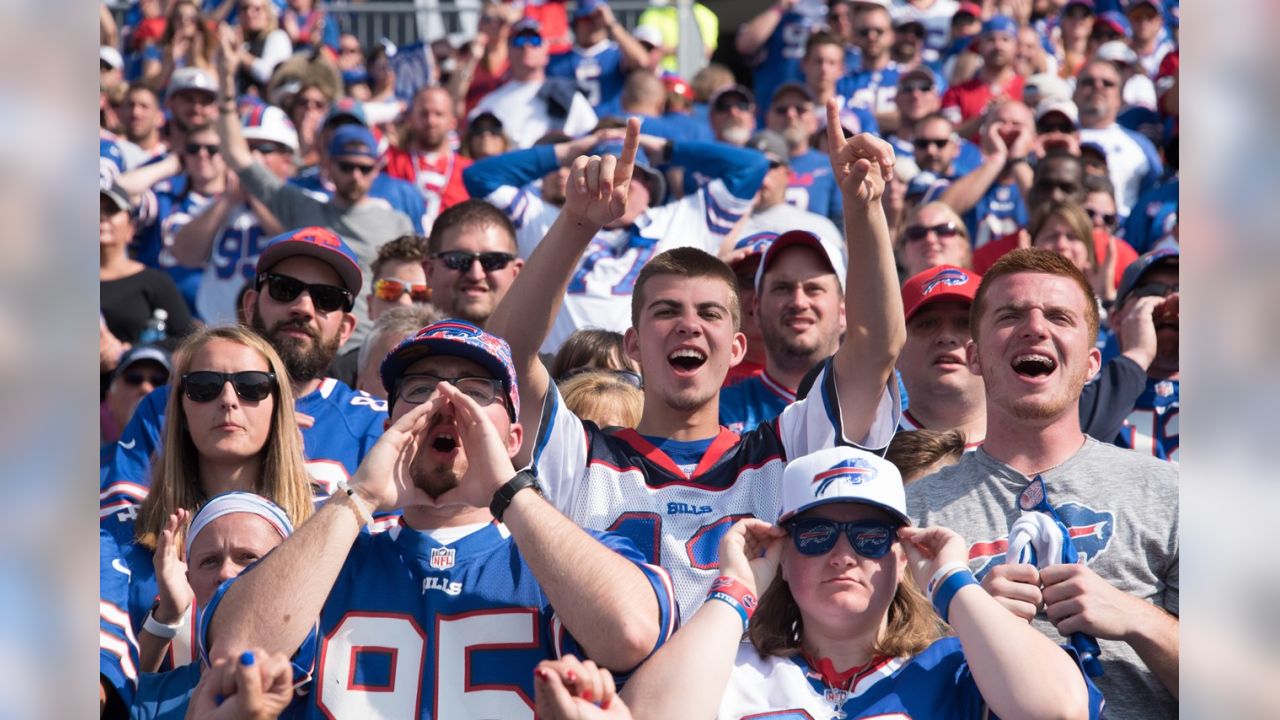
(732,588)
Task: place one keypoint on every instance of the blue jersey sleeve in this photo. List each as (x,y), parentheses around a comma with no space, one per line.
(741,170)
(128,473)
(659,581)
(513,169)
(117,646)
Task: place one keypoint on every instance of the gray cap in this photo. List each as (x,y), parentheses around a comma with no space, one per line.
(190,78)
(772,144)
(118,196)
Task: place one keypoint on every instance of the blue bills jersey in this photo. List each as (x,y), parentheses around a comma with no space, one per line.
(746,404)
(597,71)
(347,424)
(417,629)
(874,90)
(1000,212)
(937,683)
(161,214)
(812,186)
(620,482)
(1152,425)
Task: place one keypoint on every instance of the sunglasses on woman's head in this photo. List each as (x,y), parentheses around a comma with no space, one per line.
(204,385)
(391,289)
(817,536)
(326,298)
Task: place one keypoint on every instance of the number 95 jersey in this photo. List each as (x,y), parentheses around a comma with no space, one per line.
(418,629)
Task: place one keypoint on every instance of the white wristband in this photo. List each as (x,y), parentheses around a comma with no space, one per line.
(159,629)
(941,575)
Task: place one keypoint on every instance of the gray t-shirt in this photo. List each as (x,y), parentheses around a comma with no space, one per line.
(1122,511)
(365,228)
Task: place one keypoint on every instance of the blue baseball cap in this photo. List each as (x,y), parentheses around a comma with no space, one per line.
(345,109)
(586,8)
(456,338)
(320,243)
(656,181)
(353,140)
(1133,274)
(1131,5)
(1116,21)
(1000,24)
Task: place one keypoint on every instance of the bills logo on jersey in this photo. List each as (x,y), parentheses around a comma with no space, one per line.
(855,471)
(950,277)
(1090,531)
(442,558)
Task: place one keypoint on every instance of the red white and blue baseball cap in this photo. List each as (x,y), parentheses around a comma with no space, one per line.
(944,283)
(269,123)
(345,109)
(320,243)
(456,338)
(842,474)
(791,238)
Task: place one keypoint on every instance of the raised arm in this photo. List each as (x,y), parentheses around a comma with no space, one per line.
(1019,671)
(688,675)
(965,191)
(752,36)
(875,328)
(235,149)
(521,167)
(141,179)
(604,600)
(741,170)
(595,194)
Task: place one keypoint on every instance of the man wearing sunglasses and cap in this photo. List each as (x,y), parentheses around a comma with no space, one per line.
(530,103)
(481,581)
(306,286)
(1034,326)
(353,164)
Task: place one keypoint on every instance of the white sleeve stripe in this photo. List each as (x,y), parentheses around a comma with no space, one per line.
(667,585)
(124,487)
(119,649)
(106,510)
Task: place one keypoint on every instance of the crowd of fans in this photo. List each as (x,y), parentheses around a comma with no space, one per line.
(842,373)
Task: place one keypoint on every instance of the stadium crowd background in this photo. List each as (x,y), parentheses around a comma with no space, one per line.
(1014,125)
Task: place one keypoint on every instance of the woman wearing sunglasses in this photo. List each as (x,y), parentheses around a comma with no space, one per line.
(842,630)
(933,235)
(230,427)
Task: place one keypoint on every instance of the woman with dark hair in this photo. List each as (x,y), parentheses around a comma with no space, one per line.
(188,41)
(842,629)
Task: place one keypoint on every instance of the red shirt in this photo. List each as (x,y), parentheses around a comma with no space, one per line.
(438,176)
(970,99)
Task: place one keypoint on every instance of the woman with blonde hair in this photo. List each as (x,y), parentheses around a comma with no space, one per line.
(1065,228)
(605,397)
(932,235)
(230,426)
(842,630)
(264,45)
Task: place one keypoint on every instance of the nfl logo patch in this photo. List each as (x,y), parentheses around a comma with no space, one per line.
(1164,388)
(442,558)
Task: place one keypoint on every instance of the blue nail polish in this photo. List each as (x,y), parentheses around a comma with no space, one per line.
(217,699)
(246,658)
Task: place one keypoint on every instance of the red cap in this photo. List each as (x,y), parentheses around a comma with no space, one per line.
(944,283)
(676,84)
(970,8)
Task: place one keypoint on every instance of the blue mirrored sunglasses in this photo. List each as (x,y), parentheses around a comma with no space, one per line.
(869,538)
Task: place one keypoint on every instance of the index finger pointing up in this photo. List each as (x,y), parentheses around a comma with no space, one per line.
(627,163)
(835,132)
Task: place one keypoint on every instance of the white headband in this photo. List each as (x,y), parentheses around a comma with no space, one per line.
(238,502)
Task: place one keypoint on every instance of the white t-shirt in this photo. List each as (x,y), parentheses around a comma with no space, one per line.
(525,117)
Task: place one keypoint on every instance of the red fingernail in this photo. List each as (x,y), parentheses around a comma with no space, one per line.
(571,676)
(540,674)
(586,695)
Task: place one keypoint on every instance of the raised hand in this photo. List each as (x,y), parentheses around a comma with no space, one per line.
(174,591)
(929,549)
(383,478)
(488,453)
(750,553)
(861,163)
(228,58)
(599,187)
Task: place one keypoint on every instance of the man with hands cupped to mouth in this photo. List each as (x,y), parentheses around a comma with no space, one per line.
(481,581)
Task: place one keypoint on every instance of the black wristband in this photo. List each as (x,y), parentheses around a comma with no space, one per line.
(503,496)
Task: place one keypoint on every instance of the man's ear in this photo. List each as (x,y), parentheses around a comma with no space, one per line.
(347,327)
(249,306)
(971,358)
(631,345)
(515,436)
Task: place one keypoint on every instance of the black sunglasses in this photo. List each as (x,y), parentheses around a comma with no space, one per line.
(869,538)
(1065,128)
(461,260)
(269,148)
(326,298)
(1108,219)
(924,143)
(350,168)
(136,378)
(920,232)
(1153,289)
(727,105)
(909,87)
(204,385)
(195,149)
(1096,82)
(869,31)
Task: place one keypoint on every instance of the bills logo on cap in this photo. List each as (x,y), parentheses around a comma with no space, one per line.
(443,558)
(950,277)
(451,329)
(855,471)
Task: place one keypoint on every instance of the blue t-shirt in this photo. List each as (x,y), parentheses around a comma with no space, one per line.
(597,71)
(812,186)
